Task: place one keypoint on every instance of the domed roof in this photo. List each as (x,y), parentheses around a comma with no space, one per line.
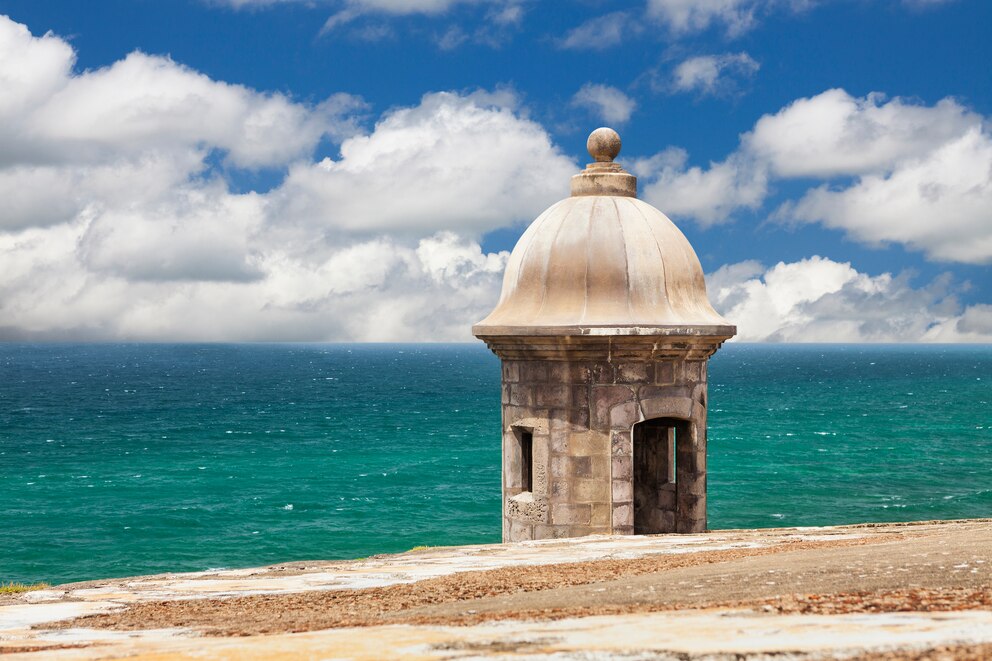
(602,262)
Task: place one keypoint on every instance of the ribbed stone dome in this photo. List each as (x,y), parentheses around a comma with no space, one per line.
(603,262)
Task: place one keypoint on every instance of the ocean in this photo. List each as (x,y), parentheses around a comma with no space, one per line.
(123,459)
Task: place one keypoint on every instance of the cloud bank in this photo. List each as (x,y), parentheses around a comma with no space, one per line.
(821,300)
(895,172)
(121,221)
(120,224)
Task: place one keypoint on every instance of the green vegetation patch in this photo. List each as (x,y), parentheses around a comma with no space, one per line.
(17,588)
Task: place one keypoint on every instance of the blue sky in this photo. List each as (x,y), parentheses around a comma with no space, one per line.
(246,170)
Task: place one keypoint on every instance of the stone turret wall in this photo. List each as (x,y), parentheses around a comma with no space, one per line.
(580,410)
(602,323)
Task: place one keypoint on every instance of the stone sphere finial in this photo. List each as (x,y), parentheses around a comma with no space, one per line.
(603,144)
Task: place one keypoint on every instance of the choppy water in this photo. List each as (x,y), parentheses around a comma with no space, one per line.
(126,459)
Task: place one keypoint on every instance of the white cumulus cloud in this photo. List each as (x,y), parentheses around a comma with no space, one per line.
(821,300)
(144,103)
(917,175)
(385,6)
(713,74)
(940,203)
(503,12)
(687,16)
(605,102)
(735,17)
(600,32)
(117,225)
(834,133)
(708,195)
(453,162)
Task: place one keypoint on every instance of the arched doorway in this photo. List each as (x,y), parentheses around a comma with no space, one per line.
(661,447)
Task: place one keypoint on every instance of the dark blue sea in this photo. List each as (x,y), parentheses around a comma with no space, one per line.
(134,458)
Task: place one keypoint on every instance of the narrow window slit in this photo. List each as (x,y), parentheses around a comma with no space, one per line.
(527,460)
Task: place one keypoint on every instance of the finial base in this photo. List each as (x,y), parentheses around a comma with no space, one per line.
(604,182)
(604,177)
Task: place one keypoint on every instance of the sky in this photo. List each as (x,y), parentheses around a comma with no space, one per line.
(358,170)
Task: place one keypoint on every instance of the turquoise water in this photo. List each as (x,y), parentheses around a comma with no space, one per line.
(126,459)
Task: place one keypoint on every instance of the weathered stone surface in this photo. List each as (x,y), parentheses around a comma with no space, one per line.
(667,407)
(623,469)
(601,514)
(579,418)
(551,532)
(942,617)
(604,398)
(700,459)
(582,413)
(572,513)
(697,487)
(688,526)
(623,416)
(521,395)
(634,373)
(511,372)
(580,396)
(591,491)
(521,530)
(560,441)
(699,394)
(530,418)
(561,372)
(553,396)
(623,490)
(524,507)
(600,467)
(581,466)
(603,372)
(620,443)
(623,515)
(534,371)
(540,468)
(694,370)
(589,443)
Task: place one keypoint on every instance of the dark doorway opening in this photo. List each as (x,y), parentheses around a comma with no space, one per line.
(658,444)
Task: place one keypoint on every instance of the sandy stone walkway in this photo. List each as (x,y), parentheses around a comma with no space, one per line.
(900,591)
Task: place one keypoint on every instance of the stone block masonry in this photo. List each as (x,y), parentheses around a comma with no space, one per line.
(581,409)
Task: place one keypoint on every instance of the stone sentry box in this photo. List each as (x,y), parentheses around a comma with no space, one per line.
(604,330)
